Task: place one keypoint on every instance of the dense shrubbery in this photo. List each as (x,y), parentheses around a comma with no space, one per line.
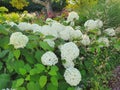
(76,53)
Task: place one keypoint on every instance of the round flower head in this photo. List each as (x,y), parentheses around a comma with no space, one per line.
(90,25)
(76,34)
(85,40)
(72,76)
(99,23)
(110,31)
(103,40)
(68,64)
(18,40)
(49,58)
(24,26)
(72,16)
(69,51)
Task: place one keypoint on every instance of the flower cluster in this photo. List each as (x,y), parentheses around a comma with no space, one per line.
(18,40)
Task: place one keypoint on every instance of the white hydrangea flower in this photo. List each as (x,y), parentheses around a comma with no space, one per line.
(11,24)
(72,16)
(99,23)
(90,24)
(85,40)
(35,28)
(18,40)
(24,26)
(57,27)
(65,34)
(69,51)
(110,31)
(72,76)
(103,40)
(47,30)
(50,42)
(68,64)
(49,58)
(76,34)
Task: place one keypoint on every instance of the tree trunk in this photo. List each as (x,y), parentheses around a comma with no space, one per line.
(47,4)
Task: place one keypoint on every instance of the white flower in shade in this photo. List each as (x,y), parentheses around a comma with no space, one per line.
(69,51)
(49,58)
(24,26)
(18,40)
(12,24)
(68,64)
(85,40)
(57,27)
(36,28)
(72,16)
(103,40)
(99,23)
(47,30)
(90,25)
(65,34)
(50,42)
(72,76)
(8,89)
(76,34)
(110,31)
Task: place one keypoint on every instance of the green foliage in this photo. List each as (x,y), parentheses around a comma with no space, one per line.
(19,4)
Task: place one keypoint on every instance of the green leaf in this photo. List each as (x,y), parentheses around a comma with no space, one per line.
(43,81)
(38,54)
(53,71)
(40,67)
(28,56)
(3,53)
(20,88)
(34,71)
(22,71)
(51,87)
(4,80)
(17,53)
(3,30)
(45,46)
(17,83)
(54,81)
(71,88)
(32,86)
(4,42)
(1,65)
(10,55)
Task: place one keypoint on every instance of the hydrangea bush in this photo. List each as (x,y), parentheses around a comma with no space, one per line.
(57,56)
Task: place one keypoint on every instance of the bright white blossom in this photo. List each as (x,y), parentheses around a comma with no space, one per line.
(36,28)
(91,24)
(103,40)
(110,31)
(65,34)
(85,40)
(68,64)
(76,34)
(50,42)
(99,23)
(49,58)
(11,24)
(69,51)
(72,16)
(24,26)
(18,40)
(72,76)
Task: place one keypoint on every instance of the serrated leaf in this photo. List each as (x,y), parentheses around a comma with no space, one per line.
(17,53)
(4,79)
(45,46)
(40,67)
(43,81)
(38,55)
(17,83)
(22,71)
(54,81)
(51,87)
(3,53)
